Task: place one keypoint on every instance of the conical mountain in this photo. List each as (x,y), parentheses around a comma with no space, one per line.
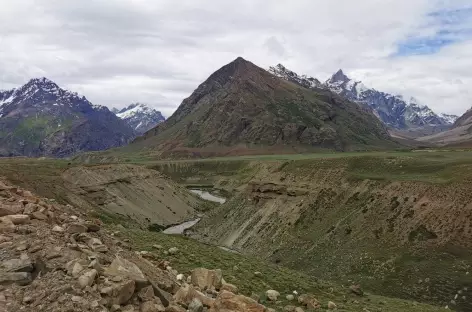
(245,108)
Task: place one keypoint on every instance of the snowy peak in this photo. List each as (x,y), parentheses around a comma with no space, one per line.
(393,110)
(282,72)
(339,76)
(140,117)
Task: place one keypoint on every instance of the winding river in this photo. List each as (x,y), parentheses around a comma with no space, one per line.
(180,228)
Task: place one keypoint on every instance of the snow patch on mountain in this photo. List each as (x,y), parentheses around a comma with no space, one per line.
(308,82)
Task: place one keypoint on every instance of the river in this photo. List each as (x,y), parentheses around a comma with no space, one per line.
(180,228)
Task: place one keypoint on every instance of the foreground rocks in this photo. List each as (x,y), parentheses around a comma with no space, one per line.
(54,258)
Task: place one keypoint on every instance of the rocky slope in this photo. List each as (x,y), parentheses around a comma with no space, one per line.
(55,258)
(242,106)
(394,111)
(140,117)
(41,119)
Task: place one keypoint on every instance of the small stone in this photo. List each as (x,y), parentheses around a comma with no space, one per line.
(27,299)
(57,229)
(94,304)
(356,289)
(77,269)
(115,307)
(157,246)
(290,297)
(180,277)
(39,215)
(92,227)
(19,219)
(76,298)
(195,306)
(331,305)
(6,226)
(87,278)
(173,250)
(272,295)
(76,228)
(257,273)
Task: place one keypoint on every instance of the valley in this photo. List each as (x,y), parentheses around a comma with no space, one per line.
(397,223)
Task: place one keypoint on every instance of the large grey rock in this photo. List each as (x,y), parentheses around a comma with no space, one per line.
(195,306)
(126,269)
(207,279)
(20,278)
(19,218)
(6,226)
(87,278)
(18,265)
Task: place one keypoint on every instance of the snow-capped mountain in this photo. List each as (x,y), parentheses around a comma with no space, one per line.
(303,80)
(42,119)
(140,117)
(393,110)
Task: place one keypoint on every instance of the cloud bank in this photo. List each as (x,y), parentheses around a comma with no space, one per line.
(158,52)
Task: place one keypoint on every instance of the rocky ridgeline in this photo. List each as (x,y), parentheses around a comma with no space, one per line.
(54,258)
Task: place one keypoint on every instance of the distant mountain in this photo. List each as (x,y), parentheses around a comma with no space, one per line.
(242,107)
(460,135)
(140,117)
(41,119)
(394,111)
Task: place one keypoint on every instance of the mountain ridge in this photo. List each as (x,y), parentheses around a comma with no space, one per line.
(393,110)
(42,119)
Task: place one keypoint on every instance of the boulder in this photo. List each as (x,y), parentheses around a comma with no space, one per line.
(57,229)
(20,278)
(87,278)
(187,293)
(122,292)
(309,301)
(19,219)
(175,308)
(6,226)
(18,265)
(146,294)
(207,279)
(356,289)
(290,297)
(77,268)
(97,245)
(272,295)
(39,215)
(76,228)
(173,250)
(229,287)
(92,227)
(229,302)
(150,306)
(6,210)
(195,306)
(126,269)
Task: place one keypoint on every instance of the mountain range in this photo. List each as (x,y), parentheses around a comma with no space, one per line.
(393,110)
(139,116)
(42,119)
(242,107)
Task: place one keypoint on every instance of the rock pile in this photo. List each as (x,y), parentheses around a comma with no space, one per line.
(54,258)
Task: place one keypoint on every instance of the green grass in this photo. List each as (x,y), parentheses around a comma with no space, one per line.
(239,270)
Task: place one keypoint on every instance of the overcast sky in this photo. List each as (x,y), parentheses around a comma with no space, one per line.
(120,51)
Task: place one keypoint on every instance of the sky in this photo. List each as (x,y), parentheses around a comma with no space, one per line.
(116,52)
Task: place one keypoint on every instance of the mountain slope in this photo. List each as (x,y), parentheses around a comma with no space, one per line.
(394,111)
(41,119)
(459,135)
(139,117)
(243,105)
